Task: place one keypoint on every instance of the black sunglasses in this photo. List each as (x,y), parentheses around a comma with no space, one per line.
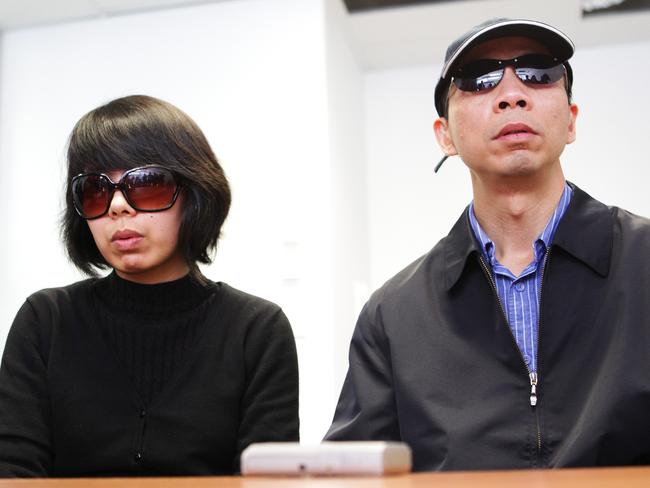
(532,69)
(147,189)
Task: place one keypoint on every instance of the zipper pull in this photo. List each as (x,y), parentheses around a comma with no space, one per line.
(533,389)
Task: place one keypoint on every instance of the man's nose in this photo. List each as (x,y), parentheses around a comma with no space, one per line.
(511,92)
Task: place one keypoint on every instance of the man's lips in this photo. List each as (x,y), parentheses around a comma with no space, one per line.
(515,132)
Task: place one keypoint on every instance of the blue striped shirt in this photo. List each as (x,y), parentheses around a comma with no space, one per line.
(519,295)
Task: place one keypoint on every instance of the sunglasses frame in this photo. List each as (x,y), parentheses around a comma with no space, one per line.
(121,185)
(502,64)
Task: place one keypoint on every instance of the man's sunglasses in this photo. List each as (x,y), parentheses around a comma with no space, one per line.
(146,189)
(532,69)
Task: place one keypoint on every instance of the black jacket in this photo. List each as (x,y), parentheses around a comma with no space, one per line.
(433,362)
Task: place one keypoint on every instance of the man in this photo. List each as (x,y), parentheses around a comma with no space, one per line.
(522,339)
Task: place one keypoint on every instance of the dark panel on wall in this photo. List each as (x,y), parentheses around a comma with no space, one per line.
(359,5)
(614,6)
(589,7)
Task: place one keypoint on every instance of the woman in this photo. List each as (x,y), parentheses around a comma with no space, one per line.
(154,369)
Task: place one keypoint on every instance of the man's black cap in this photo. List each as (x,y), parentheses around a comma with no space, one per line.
(558,43)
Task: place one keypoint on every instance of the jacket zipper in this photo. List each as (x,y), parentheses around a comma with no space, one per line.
(533,388)
(533,381)
(533,377)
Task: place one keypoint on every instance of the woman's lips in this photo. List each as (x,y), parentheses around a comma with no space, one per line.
(126,240)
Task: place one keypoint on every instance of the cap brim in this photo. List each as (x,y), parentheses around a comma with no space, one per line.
(555,40)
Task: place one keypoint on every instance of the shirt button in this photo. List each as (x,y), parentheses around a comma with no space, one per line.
(138,457)
(520,286)
(143,413)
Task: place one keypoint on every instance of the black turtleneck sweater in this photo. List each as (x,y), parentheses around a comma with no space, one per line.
(107,377)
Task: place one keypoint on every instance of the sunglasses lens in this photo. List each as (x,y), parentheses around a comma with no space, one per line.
(478,75)
(90,194)
(540,76)
(151,188)
(480,82)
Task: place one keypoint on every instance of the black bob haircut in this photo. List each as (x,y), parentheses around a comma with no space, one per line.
(135,131)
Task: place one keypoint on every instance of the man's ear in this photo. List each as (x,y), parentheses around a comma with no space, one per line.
(573,115)
(441,129)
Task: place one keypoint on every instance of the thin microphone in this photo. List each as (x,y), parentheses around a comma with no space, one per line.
(444,158)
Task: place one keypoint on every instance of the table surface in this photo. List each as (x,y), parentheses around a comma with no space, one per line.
(632,477)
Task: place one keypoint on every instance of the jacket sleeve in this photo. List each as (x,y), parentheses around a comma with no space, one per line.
(25,438)
(366,409)
(269,407)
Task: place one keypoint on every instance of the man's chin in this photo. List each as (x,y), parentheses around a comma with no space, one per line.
(519,165)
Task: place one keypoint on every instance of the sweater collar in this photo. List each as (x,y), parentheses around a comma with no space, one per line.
(585,232)
(152,300)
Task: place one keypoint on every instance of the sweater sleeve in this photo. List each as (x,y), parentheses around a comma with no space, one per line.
(269,407)
(366,409)
(25,438)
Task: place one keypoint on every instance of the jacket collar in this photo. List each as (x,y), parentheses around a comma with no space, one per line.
(585,232)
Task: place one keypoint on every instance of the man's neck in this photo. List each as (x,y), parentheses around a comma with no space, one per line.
(514,214)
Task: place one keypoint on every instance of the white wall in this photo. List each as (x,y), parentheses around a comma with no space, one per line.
(253,74)
(349,242)
(410,208)
(610,158)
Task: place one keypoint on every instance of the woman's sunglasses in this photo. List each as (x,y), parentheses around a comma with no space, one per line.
(532,69)
(146,189)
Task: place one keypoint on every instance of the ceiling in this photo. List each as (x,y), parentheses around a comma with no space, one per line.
(26,13)
(389,33)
